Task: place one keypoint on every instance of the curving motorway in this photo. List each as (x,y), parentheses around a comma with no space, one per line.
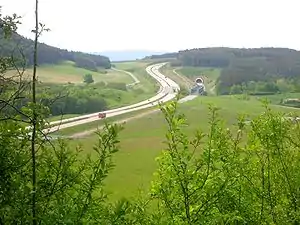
(167,92)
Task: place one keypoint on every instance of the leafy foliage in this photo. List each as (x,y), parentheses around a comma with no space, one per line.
(80,99)
(69,187)
(191,177)
(244,177)
(163,56)
(249,175)
(117,85)
(88,78)
(43,183)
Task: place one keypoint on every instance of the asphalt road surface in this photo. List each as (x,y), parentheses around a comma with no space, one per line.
(167,92)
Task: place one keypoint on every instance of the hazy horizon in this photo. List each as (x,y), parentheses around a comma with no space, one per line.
(161,26)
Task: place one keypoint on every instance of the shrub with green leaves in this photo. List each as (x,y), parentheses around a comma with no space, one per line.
(69,182)
(246,176)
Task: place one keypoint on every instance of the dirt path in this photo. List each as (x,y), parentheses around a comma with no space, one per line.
(136,81)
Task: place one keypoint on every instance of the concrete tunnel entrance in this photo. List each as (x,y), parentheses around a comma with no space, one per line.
(199,81)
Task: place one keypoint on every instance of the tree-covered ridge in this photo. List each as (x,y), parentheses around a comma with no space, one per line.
(266,67)
(163,56)
(276,61)
(21,47)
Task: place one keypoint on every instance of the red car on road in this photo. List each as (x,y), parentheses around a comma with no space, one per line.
(102,115)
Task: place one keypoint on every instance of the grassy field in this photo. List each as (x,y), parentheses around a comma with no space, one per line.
(147,87)
(67,72)
(276,99)
(142,140)
(194,72)
(137,68)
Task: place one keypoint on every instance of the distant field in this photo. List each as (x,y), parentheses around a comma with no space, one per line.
(142,140)
(137,68)
(67,72)
(194,72)
(276,99)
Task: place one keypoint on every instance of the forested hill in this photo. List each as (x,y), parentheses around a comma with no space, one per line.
(245,66)
(48,54)
(242,66)
(163,56)
(279,60)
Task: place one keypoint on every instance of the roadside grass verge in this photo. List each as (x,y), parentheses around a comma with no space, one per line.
(101,122)
(61,117)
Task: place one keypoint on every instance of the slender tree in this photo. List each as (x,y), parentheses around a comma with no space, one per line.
(34,115)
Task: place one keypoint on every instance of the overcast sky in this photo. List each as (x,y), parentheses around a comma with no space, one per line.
(162,25)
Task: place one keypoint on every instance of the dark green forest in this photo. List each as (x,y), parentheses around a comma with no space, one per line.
(22,48)
(242,69)
(162,56)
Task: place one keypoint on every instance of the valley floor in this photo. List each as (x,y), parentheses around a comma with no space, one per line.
(143,139)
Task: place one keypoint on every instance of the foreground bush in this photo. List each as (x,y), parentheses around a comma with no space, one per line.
(246,176)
